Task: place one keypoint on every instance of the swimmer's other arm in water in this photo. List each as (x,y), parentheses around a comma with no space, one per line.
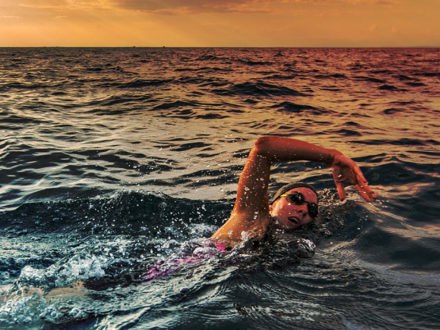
(252,212)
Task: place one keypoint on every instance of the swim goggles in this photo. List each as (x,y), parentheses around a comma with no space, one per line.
(298,199)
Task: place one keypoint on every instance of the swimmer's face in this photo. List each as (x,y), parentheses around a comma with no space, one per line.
(289,215)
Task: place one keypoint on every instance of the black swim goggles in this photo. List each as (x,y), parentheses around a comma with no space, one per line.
(298,199)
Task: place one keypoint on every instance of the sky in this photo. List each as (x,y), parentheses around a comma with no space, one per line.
(220,23)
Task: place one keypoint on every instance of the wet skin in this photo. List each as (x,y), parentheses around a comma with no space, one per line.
(289,216)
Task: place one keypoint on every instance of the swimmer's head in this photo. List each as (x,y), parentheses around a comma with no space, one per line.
(294,205)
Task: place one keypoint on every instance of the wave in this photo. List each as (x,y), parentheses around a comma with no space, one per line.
(174,105)
(132,213)
(388,88)
(254,63)
(297,108)
(402,141)
(137,83)
(389,246)
(370,79)
(258,89)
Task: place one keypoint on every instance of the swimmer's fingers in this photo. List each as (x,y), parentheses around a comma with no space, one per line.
(338,179)
(341,190)
(348,171)
(361,190)
(366,192)
(362,186)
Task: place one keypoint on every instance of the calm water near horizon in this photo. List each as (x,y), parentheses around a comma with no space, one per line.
(116,159)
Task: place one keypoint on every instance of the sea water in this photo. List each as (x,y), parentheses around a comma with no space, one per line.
(116,160)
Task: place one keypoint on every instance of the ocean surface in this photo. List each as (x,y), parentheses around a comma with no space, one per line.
(113,161)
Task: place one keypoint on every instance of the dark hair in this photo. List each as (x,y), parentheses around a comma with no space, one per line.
(290,186)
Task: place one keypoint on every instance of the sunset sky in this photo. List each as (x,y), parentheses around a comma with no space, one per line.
(228,23)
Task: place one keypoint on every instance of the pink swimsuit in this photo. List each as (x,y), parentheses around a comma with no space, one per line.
(169,266)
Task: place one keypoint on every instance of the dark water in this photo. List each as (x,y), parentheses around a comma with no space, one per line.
(113,160)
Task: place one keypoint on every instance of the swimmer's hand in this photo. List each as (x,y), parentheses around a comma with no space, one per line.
(346,170)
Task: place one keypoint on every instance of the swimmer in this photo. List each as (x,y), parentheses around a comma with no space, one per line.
(293,205)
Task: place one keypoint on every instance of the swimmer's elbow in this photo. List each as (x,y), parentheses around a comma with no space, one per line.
(262,145)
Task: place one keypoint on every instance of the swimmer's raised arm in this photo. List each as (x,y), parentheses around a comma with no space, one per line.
(251,208)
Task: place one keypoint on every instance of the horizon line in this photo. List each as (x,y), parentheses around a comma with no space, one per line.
(292,47)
